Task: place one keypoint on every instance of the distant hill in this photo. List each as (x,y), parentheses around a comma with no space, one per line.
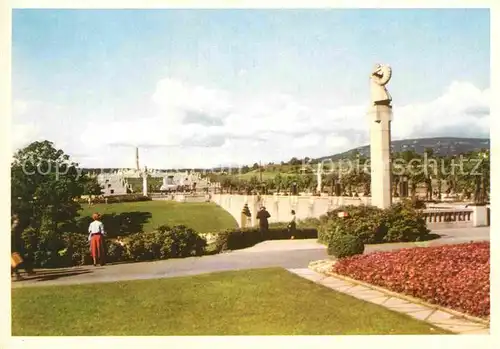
(442,146)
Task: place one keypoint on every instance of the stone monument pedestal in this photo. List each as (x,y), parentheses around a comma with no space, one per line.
(380,155)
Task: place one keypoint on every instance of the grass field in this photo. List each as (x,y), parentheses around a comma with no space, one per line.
(252,302)
(202,217)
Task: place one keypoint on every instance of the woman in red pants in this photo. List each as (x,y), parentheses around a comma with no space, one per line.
(96,238)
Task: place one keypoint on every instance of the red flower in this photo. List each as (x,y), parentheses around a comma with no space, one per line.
(454,276)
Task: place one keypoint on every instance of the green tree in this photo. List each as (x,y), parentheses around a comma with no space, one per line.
(278,182)
(45,184)
(245,169)
(253,183)
(91,187)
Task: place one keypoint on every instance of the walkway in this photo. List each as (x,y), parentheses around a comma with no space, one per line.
(287,254)
(440,317)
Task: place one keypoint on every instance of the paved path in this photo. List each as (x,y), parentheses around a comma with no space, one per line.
(437,316)
(282,253)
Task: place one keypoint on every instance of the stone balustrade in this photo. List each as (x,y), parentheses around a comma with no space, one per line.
(448,215)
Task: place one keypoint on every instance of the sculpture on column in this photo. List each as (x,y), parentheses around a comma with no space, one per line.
(318,177)
(380,137)
(380,76)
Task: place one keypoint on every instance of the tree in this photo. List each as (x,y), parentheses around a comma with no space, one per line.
(278,182)
(45,184)
(270,184)
(44,188)
(308,181)
(91,187)
(253,183)
(226,183)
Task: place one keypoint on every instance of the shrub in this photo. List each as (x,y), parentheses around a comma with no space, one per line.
(235,239)
(343,245)
(366,222)
(399,223)
(308,223)
(116,199)
(402,222)
(454,276)
(78,248)
(164,243)
(45,248)
(128,198)
(115,252)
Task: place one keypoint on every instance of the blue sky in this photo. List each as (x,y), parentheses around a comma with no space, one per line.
(87,70)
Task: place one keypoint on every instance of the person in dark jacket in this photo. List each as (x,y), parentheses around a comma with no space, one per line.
(262,216)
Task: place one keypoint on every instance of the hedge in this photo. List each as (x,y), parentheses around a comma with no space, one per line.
(400,223)
(234,239)
(72,249)
(116,199)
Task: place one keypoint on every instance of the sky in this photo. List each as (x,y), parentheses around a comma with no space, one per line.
(203,88)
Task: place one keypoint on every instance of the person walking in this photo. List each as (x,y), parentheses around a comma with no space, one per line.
(19,258)
(263,217)
(292,226)
(96,239)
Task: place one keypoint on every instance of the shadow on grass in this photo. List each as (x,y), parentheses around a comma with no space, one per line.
(48,275)
(119,224)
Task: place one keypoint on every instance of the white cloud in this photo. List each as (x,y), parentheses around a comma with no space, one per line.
(197,126)
(463,110)
(178,100)
(23,134)
(19,107)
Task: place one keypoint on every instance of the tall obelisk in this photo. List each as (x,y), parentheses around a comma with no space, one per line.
(380,116)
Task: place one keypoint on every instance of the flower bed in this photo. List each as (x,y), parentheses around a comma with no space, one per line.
(453,276)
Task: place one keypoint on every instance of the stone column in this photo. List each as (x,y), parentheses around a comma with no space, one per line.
(479,216)
(380,155)
(145,182)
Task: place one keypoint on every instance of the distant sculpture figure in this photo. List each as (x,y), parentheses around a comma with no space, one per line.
(380,76)
(245,216)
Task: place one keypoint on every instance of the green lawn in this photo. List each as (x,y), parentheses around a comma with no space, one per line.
(202,217)
(253,302)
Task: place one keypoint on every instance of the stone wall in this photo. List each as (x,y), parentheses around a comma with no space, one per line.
(280,207)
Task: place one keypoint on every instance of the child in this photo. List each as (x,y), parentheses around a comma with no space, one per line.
(96,239)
